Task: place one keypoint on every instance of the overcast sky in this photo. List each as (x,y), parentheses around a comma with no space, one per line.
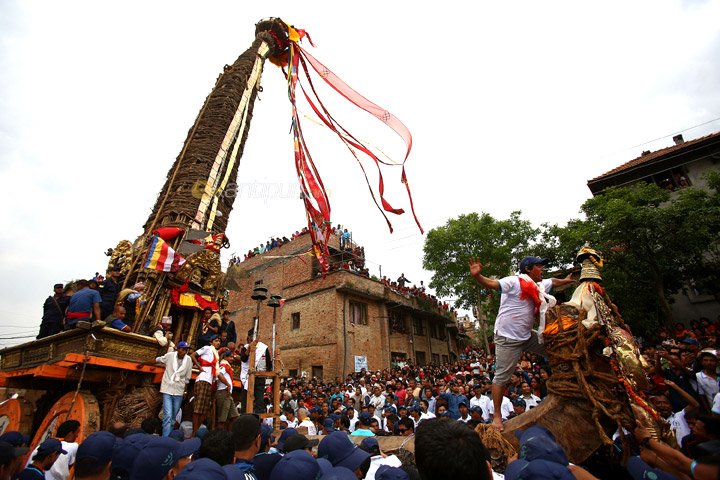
(512,106)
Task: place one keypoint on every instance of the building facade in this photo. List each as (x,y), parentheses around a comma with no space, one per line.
(674,168)
(328,326)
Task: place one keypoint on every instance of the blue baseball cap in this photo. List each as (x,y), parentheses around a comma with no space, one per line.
(183,345)
(287,433)
(349,407)
(202,469)
(341,451)
(325,465)
(201,432)
(444,414)
(96,450)
(529,261)
(298,465)
(414,408)
(265,434)
(370,445)
(159,456)
(125,454)
(315,409)
(177,435)
(15,438)
(51,445)
(365,417)
(537,470)
(8,452)
(386,472)
(538,443)
(519,402)
(477,409)
(214,337)
(339,473)
(329,425)
(640,470)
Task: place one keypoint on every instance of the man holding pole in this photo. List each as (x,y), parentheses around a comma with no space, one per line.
(263,363)
(524,300)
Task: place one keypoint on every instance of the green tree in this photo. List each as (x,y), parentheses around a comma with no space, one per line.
(655,243)
(500,244)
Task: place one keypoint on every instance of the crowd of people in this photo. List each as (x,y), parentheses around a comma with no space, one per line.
(276,242)
(438,406)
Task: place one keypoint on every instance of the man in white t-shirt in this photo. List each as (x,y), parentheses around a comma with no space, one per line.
(524,300)
(677,421)
(67,433)
(531,401)
(506,409)
(206,359)
(707,380)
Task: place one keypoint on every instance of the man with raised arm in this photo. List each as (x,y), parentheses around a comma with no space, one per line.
(524,299)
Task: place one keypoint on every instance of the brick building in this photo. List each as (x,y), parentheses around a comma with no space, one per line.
(326,323)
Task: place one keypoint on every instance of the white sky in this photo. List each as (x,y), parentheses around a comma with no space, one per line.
(96,99)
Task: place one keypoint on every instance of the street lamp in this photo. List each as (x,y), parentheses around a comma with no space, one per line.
(259,294)
(274,302)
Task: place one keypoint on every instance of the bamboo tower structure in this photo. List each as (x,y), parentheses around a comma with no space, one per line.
(192,199)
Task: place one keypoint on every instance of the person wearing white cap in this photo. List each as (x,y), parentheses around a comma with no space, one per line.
(162,333)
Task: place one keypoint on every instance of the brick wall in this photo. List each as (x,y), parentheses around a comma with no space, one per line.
(326,337)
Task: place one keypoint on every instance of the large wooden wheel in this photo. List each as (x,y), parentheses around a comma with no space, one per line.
(85,410)
(16,414)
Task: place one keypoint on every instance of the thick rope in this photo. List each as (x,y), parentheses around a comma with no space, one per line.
(580,380)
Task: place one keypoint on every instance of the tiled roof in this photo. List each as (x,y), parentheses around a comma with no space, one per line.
(653,155)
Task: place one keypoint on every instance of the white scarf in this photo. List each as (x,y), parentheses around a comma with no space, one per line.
(176,375)
(546,301)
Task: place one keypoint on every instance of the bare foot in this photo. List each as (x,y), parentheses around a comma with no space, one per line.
(498,425)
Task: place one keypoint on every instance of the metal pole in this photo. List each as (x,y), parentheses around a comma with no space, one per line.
(273,339)
(257,320)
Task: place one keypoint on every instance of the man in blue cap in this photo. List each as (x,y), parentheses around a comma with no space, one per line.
(10,460)
(524,298)
(163,458)
(178,370)
(363,426)
(93,460)
(46,454)
(340,450)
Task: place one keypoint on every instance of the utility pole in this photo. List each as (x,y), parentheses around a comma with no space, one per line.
(481,320)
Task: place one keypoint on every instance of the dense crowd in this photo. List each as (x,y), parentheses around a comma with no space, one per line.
(276,242)
(437,406)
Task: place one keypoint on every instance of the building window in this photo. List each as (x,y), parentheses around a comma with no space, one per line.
(420,358)
(418,327)
(397,359)
(435,359)
(453,357)
(293,373)
(442,332)
(358,313)
(433,329)
(295,317)
(397,323)
(445,359)
(317,372)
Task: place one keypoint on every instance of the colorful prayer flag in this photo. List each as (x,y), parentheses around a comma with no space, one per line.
(162,257)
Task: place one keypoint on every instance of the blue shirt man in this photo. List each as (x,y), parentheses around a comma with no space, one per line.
(454,399)
(84,305)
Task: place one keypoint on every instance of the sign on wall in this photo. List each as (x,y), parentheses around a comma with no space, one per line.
(360,362)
